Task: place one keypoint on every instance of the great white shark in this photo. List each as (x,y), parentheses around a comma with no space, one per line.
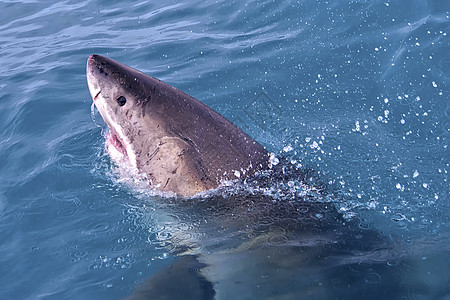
(246,245)
(181,145)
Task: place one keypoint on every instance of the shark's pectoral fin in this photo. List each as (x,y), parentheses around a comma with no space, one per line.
(181,280)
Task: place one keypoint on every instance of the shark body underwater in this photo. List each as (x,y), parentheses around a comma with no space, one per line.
(247,245)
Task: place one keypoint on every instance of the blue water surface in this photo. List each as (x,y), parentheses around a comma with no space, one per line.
(356,89)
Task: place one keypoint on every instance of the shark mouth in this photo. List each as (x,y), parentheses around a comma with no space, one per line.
(113,140)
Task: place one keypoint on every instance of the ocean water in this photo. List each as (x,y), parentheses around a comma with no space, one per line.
(355,89)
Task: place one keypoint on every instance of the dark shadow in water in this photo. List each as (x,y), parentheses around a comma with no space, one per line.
(250,245)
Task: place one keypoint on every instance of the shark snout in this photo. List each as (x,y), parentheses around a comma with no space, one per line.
(92,80)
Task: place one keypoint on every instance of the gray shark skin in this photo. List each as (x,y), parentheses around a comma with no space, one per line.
(180,145)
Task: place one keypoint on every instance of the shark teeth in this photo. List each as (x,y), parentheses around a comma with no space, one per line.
(114,140)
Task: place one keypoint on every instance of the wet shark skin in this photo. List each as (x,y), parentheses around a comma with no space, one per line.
(180,144)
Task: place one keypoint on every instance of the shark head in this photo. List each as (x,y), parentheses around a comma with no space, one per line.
(117,104)
(179,144)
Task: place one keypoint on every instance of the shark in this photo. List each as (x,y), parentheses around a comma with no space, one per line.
(243,244)
(179,144)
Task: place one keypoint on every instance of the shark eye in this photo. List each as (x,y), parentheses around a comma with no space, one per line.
(122,100)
